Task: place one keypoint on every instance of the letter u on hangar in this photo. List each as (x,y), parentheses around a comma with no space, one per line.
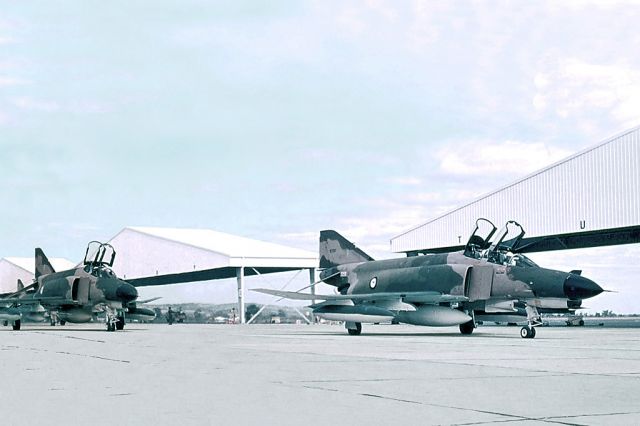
(589,199)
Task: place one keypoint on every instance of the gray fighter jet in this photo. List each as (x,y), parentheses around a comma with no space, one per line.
(487,281)
(76,294)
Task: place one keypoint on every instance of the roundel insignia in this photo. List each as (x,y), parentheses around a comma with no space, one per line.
(373,282)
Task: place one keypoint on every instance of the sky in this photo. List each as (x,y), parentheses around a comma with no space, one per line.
(274,120)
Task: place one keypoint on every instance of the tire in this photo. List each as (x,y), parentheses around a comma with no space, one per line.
(532,334)
(16,325)
(62,322)
(355,331)
(581,322)
(525,332)
(111,327)
(467,328)
(120,323)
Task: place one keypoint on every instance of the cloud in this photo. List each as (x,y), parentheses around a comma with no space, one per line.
(32,104)
(482,157)
(10,81)
(403,180)
(572,88)
(591,4)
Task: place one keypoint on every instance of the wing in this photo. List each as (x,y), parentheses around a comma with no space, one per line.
(410,296)
(35,300)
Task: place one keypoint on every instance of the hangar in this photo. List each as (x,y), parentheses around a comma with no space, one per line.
(155,256)
(13,269)
(590,199)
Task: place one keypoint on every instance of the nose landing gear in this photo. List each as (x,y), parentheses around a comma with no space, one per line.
(534,319)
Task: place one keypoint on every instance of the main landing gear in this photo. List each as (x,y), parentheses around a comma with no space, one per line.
(527,332)
(354,328)
(467,327)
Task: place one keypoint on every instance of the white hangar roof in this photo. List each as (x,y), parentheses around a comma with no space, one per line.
(23,268)
(233,246)
(148,252)
(591,198)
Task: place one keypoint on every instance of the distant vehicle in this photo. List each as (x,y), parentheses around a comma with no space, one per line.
(575,320)
(76,294)
(175,316)
(487,281)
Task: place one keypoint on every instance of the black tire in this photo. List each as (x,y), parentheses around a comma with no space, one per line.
(533,333)
(467,328)
(62,322)
(111,326)
(16,325)
(581,322)
(120,323)
(525,332)
(355,331)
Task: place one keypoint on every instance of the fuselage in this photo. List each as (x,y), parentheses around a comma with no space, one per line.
(76,293)
(457,274)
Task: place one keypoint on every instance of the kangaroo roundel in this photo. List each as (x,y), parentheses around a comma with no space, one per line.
(373,282)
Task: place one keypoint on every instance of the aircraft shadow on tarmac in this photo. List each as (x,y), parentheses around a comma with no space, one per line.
(74,330)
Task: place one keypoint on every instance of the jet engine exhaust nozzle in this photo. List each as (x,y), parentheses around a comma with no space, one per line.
(579,287)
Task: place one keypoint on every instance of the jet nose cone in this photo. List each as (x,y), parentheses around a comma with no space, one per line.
(126,292)
(578,287)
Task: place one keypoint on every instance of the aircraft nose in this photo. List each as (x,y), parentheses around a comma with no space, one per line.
(578,287)
(126,292)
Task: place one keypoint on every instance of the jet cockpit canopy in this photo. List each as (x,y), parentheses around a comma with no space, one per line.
(480,239)
(99,254)
(498,247)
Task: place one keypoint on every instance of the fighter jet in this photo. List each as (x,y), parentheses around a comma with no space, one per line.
(489,279)
(76,294)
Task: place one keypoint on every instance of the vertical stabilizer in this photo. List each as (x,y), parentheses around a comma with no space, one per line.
(43,266)
(337,250)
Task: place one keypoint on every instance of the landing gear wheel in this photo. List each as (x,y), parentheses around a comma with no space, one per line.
(355,331)
(120,323)
(527,332)
(16,325)
(111,326)
(581,322)
(467,327)
(62,322)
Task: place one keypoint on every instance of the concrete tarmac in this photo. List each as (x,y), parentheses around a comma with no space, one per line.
(188,374)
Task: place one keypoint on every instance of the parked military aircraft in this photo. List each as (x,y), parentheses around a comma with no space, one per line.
(485,281)
(76,294)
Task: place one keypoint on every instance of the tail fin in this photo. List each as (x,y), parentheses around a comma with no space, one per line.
(337,250)
(43,266)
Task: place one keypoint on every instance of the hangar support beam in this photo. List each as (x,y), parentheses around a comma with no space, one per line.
(312,280)
(240,278)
